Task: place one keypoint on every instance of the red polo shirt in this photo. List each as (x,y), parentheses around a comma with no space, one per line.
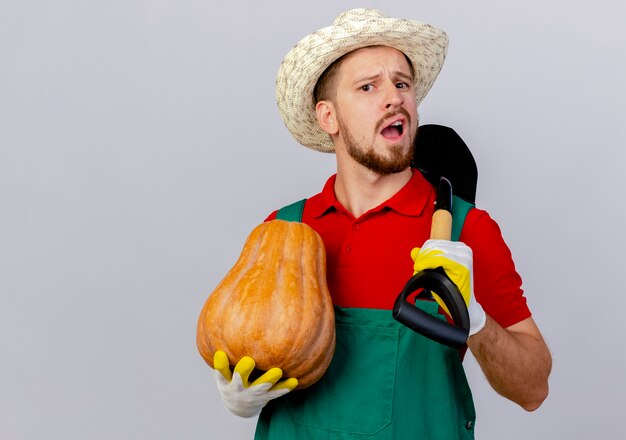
(368,258)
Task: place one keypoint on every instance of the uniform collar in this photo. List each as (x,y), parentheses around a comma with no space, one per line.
(410,200)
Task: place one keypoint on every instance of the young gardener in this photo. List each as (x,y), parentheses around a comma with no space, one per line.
(353,89)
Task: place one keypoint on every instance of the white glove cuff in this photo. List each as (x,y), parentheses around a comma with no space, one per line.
(478,318)
(456,251)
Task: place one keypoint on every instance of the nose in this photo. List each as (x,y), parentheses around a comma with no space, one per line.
(393,96)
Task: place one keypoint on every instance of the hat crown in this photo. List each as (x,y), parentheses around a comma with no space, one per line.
(360,14)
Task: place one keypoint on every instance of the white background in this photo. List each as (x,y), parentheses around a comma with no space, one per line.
(140,143)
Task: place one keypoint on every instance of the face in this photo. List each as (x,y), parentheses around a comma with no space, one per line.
(376,110)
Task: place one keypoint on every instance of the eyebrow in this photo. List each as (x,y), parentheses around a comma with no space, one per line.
(404,76)
(397,73)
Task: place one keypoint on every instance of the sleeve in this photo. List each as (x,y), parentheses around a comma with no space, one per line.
(497,285)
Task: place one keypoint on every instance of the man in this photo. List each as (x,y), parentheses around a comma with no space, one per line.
(353,88)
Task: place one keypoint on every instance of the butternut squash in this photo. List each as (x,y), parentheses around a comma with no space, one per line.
(274,305)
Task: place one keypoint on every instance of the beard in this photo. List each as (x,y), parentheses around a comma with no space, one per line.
(397,160)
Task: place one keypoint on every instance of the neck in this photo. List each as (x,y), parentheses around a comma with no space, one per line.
(359,189)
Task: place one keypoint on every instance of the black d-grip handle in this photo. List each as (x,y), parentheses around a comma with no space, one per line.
(427,325)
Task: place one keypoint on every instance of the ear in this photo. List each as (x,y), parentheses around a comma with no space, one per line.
(327,117)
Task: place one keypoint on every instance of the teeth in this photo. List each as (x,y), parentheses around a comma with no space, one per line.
(397,124)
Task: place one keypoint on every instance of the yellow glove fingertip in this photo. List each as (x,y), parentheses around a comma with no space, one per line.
(244,367)
(220,359)
(414,253)
(289,384)
(220,363)
(270,376)
(245,364)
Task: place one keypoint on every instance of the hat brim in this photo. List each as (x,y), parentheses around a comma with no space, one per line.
(424,45)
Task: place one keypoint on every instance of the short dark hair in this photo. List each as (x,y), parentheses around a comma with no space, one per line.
(325,89)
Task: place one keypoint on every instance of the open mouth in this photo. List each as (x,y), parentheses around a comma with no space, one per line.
(393,130)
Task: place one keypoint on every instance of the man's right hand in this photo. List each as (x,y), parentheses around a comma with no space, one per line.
(239,396)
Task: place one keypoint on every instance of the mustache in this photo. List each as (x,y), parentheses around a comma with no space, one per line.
(391,114)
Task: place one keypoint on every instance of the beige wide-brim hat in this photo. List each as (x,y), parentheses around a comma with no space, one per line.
(423,44)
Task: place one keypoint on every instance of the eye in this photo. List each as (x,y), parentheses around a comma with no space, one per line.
(402,85)
(367,87)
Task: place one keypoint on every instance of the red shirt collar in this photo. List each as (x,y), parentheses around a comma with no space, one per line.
(410,200)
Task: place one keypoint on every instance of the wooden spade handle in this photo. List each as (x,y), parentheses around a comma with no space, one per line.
(441,226)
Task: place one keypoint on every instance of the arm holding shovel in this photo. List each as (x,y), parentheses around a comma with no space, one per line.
(515,360)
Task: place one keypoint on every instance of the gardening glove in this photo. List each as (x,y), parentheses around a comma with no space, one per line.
(239,396)
(456,260)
